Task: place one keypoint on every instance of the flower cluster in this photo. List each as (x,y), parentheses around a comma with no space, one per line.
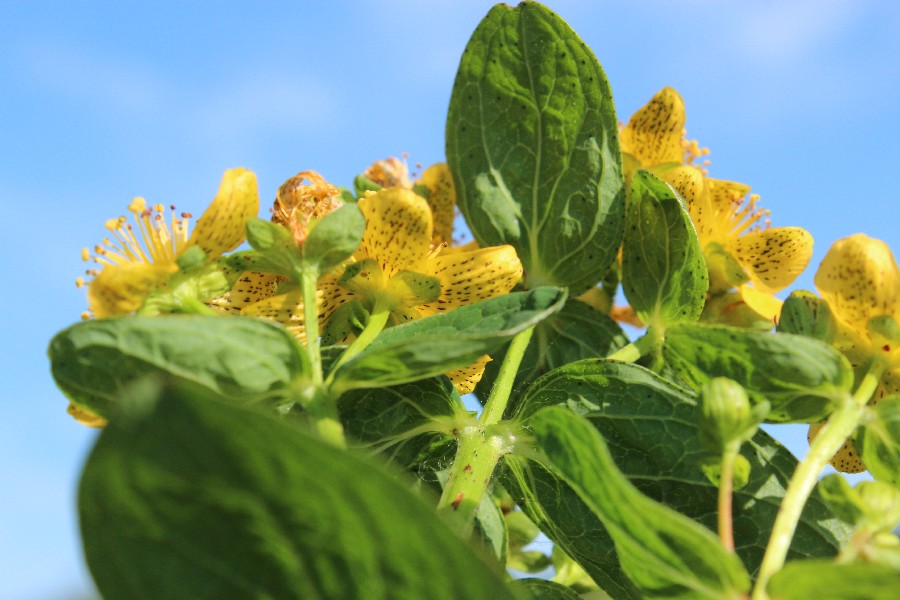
(748,261)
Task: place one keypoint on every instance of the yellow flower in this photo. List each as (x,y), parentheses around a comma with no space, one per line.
(740,249)
(860,281)
(137,262)
(402,267)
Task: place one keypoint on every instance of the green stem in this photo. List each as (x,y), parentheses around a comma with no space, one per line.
(192,305)
(840,426)
(726,493)
(308,280)
(481,444)
(377,320)
(499,396)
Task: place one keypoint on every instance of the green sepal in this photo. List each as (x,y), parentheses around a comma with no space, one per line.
(229,503)
(362,184)
(712,468)
(801,378)
(276,248)
(532,142)
(804,313)
(347,320)
(334,238)
(664,274)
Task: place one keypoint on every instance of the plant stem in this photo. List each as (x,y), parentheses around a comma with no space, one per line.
(481,444)
(499,396)
(726,493)
(308,279)
(841,424)
(377,320)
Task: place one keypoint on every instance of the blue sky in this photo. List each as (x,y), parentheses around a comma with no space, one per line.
(102,101)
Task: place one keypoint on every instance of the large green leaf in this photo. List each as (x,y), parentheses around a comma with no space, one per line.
(577,331)
(243,360)
(532,141)
(801,377)
(651,428)
(825,580)
(664,553)
(433,345)
(663,271)
(541,589)
(192,498)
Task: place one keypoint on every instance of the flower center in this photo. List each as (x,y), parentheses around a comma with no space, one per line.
(154,241)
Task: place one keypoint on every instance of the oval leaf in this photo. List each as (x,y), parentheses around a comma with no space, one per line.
(664,274)
(664,553)
(433,345)
(335,238)
(242,360)
(800,377)
(532,141)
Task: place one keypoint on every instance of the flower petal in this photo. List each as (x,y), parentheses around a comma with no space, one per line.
(286,309)
(221,227)
(859,279)
(689,182)
(468,277)
(398,230)
(250,287)
(85,417)
(763,304)
(442,200)
(654,133)
(466,378)
(122,289)
(775,257)
(846,459)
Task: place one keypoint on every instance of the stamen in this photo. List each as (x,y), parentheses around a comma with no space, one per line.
(435,250)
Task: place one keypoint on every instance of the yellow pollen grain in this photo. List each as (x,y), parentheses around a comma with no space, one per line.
(85,254)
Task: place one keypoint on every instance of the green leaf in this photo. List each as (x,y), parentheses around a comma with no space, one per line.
(277,252)
(532,141)
(664,553)
(651,428)
(400,422)
(664,275)
(200,499)
(542,589)
(334,238)
(577,331)
(433,345)
(241,360)
(801,378)
(880,437)
(825,580)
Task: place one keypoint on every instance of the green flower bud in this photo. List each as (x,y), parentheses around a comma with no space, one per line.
(726,416)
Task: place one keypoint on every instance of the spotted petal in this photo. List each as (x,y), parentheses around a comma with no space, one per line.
(775,257)
(442,200)
(859,279)
(286,309)
(250,287)
(466,378)
(221,227)
(653,134)
(398,230)
(122,289)
(469,277)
